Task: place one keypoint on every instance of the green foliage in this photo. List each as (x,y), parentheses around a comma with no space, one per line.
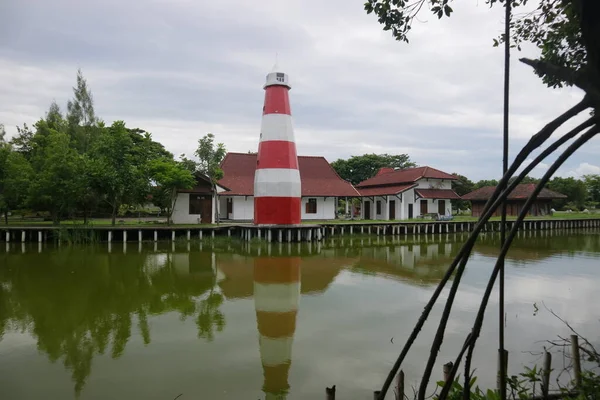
(81,117)
(593,185)
(575,190)
(359,168)
(169,176)
(553,27)
(57,179)
(486,182)
(462,186)
(2,134)
(210,156)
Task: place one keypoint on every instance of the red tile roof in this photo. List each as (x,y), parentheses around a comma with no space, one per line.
(317,177)
(384,170)
(520,192)
(384,190)
(437,194)
(408,175)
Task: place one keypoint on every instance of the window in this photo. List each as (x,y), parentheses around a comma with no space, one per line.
(378,207)
(196,204)
(280,77)
(311,206)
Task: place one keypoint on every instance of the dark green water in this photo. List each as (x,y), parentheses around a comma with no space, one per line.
(223,322)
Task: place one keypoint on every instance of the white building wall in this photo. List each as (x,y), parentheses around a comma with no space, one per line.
(434,184)
(181,211)
(243,208)
(326,208)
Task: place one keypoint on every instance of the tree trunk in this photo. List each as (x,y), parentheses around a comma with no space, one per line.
(114,214)
(217,203)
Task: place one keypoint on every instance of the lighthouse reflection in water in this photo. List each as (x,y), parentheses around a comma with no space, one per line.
(276,298)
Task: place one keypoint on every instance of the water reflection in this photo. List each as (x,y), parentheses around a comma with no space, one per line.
(276,300)
(82,304)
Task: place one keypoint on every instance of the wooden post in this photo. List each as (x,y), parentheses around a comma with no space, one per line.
(447,369)
(140,236)
(155,236)
(109,236)
(40,236)
(200,234)
(7,236)
(212,234)
(22,236)
(505,369)
(228,232)
(173,235)
(279,236)
(330,392)
(576,360)
(189,235)
(400,386)
(124,236)
(546,374)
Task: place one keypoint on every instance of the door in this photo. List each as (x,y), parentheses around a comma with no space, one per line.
(423,207)
(229,207)
(392,209)
(367,210)
(442,207)
(206,210)
(410,211)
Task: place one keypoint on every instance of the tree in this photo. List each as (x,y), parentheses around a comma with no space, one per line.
(486,182)
(462,186)
(16,182)
(210,157)
(359,168)
(574,189)
(527,179)
(23,141)
(2,134)
(188,164)
(56,183)
(117,170)
(593,186)
(169,176)
(81,117)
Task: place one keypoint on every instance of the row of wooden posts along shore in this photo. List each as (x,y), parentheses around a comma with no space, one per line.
(546,394)
(247,232)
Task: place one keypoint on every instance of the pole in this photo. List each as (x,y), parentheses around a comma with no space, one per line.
(501,351)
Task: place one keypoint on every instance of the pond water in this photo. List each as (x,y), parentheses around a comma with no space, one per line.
(231,320)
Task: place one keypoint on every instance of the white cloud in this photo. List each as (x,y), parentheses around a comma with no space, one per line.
(180,69)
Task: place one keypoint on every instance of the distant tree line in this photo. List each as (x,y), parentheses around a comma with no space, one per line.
(72,165)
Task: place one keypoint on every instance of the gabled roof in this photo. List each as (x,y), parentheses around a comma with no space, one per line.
(444,194)
(520,192)
(403,176)
(385,190)
(317,177)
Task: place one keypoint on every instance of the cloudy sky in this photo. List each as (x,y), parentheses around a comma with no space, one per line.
(182,68)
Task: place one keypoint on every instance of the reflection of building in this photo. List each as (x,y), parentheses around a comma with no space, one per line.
(276,298)
(317,273)
(421,263)
(516,200)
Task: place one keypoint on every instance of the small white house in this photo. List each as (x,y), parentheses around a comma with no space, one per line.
(406,193)
(321,188)
(197,205)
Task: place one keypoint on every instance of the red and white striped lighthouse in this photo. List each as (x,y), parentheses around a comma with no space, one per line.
(277,178)
(276,298)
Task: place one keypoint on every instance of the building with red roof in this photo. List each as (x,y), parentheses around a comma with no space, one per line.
(407,193)
(515,200)
(321,187)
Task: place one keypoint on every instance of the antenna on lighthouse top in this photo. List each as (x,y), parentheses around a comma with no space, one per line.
(276,66)
(276,77)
